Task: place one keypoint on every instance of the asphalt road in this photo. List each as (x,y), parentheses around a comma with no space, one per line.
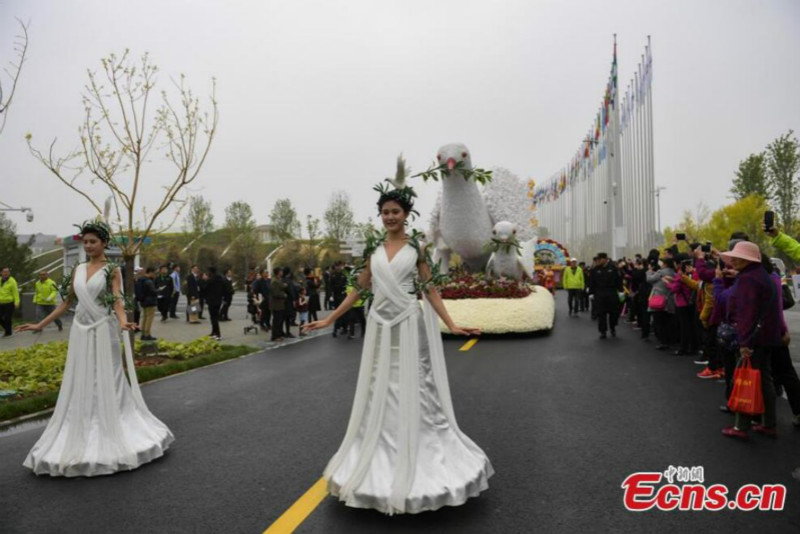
(564,418)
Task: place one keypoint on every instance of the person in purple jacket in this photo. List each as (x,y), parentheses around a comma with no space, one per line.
(754,309)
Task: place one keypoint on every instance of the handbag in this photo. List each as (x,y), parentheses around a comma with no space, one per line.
(746,396)
(657,302)
(788,298)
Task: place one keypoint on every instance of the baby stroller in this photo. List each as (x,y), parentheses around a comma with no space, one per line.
(254,310)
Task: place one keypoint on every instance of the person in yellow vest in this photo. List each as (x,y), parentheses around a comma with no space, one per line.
(356,315)
(574,284)
(9,300)
(45,294)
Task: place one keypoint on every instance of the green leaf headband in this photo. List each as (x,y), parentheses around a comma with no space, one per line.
(95,227)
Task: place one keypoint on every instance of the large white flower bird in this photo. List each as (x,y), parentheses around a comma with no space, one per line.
(464,214)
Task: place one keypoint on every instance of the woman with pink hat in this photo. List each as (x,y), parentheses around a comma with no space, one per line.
(754,310)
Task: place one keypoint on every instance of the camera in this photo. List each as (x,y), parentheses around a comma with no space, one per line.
(706,248)
(680,236)
(29,216)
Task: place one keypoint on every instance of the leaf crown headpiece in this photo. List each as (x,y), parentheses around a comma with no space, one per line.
(400,192)
(98,227)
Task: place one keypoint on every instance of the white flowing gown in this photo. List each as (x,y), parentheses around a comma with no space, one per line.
(101,423)
(403,451)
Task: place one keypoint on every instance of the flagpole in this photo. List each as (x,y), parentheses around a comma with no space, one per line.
(650,115)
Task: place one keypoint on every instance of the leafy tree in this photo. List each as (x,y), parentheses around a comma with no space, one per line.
(338,216)
(20,49)
(207,257)
(241,228)
(745,215)
(118,134)
(312,228)
(692,223)
(783,162)
(199,219)
(13,255)
(283,220)
(751,177)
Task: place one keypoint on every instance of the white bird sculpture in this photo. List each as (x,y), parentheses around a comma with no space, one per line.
(464,215)
(511,259)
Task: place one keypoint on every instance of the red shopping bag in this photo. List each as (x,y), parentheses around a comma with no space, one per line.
(746,396)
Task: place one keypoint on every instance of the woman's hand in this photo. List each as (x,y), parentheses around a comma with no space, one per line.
(315,325)
(772,231)
(128,327)
(458,331)
(29,327)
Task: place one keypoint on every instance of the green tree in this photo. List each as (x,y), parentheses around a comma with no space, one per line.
(745,215)
(783,162)
(338,216)
(751,177)
(283,220)
(242,236)
(199,218)
(14,255)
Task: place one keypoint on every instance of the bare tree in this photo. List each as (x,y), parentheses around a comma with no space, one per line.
(13,71)
(116,138)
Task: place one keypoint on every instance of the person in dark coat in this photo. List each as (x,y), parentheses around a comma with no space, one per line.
(164,287)
(312,291)
(214,292)
(641,292)
(338,288)
(289,311)
(149,299)
(326,285)
(261,287)
(193,290)
(606,284)
(277,303)
(227,297)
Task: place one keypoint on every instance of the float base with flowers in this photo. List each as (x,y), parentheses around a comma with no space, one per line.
(500,306)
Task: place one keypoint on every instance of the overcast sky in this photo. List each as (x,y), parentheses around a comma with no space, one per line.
(319,96)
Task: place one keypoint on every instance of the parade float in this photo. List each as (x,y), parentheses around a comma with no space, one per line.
(491,230)
(550,253)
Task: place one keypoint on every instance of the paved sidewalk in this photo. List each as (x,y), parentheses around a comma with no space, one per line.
(171,330)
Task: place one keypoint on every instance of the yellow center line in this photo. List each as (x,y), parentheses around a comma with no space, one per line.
(468,345)
(300,510)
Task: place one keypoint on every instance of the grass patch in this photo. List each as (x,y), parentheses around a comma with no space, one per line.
(12,408)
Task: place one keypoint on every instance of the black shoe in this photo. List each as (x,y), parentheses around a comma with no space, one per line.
(724,408)
(289,335)
(349,337)
(613,333)
(6,335)
(603,335)
(173,316)
(334,333)
(680,352)
(60,327)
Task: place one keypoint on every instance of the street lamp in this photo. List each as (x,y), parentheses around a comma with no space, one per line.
(27,211)
(657,191)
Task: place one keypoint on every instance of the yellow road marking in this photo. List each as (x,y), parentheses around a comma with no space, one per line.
(300,510)
(468,345)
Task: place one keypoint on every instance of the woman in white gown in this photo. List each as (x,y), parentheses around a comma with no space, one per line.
(101,423)
(403,451)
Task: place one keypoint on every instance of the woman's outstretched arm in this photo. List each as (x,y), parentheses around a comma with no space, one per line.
(364,281)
